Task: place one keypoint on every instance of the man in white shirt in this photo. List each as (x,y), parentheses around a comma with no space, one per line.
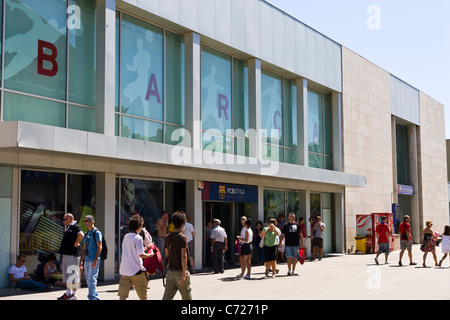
(219,244)
(132,271)
(19,278)
(189,232)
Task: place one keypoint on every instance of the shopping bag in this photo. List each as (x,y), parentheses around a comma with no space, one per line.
(237,248)
(301,256)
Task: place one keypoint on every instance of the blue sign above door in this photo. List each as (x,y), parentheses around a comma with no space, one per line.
(405,190)
(229,192)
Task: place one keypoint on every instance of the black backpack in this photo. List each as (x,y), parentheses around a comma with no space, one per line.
(104,253)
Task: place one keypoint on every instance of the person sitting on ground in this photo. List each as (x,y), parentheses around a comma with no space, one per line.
(18,277)
(51,273)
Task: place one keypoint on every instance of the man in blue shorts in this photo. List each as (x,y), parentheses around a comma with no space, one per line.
(294,238)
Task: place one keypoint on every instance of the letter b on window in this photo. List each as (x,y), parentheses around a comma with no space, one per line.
(43,56)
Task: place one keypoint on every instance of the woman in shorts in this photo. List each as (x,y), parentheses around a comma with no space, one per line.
(246,238)
(270,235)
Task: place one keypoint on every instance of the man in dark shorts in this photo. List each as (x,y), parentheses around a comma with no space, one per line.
(319,228)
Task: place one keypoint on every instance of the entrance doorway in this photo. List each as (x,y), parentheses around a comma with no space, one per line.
(224,211)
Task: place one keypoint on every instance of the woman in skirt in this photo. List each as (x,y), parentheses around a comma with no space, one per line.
(429,243)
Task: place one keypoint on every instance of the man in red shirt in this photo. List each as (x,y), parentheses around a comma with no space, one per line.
(405,240)
(382,230)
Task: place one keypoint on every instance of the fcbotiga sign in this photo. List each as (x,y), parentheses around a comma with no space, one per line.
(229,192)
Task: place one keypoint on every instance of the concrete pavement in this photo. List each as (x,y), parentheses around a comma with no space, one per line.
(336,277)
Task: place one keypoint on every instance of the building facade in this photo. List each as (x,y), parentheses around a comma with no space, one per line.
(222,108)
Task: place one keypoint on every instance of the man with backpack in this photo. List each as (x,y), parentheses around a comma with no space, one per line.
(91,256)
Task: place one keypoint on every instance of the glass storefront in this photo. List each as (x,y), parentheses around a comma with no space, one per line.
(44,198)
(279,202)
(148,198)
(49,62)
(149,81)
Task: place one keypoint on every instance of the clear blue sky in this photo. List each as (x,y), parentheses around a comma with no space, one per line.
(412,41)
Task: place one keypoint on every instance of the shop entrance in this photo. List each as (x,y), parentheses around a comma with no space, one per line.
(224,211)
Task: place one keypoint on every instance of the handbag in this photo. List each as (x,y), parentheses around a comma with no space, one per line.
(301,256)
(261,243)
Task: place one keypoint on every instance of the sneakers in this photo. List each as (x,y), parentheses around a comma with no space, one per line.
(376,261)
(65,297)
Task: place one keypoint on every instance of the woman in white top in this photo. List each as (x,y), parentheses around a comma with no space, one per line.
(246,238)
(445,244)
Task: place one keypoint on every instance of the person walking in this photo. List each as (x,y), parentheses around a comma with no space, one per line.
(270,235)
(189,232)
(70,250)
(246,250)
(219,245)
(429,243)
(90,256)
(405,240)
(382,231)
(445,244)
(294,239)
(177,253)
(318,229)
(132,272)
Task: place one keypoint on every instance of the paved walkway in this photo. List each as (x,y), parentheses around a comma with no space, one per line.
(337,276)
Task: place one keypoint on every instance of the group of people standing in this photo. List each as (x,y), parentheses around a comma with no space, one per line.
(274,238)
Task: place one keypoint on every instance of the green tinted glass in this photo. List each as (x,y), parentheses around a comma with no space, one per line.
(24,108)
(81,118)
(81,24)
(35,47)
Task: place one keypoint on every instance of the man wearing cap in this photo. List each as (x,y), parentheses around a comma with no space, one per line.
(218,245)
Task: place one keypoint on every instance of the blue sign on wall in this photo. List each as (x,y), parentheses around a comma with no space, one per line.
(405,190)
(229,192)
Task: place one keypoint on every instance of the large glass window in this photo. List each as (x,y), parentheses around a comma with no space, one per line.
(49,52)
(149,80)
(319,130)
(279,202)
(44,198)
(224,99)
(402,142)
(278,118)
(216,100)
